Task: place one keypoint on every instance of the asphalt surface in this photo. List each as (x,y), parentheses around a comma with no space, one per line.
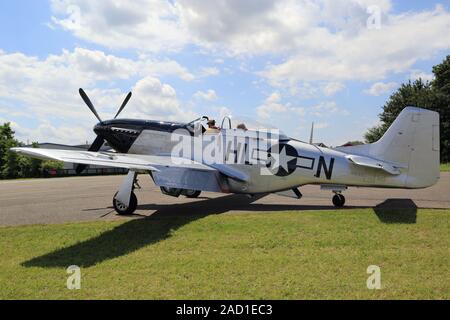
(62,200)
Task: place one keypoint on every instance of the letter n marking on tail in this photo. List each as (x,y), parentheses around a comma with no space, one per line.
(328,170)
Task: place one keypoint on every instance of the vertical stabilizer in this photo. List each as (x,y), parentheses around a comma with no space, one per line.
(412,140)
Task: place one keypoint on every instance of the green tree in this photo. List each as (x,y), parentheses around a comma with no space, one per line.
(353,143)
(441,87)
(433,95)
(8,159)
(10,168)
(30,167)
(13,165)
(417,93)
(6,135)
(52,165)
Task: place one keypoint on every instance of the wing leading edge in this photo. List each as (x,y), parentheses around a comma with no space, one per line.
(153,163)
(110,159)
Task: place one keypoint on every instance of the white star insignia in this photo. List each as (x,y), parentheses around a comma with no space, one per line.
(281,160)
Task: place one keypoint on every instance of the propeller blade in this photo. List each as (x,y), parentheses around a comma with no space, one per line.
(123,104)
(95,146)
(80,168)
(89,103)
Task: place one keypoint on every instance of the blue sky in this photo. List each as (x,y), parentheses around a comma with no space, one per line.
(286,62)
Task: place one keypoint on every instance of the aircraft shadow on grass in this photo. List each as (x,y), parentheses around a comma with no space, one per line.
(397,211)
(137,233)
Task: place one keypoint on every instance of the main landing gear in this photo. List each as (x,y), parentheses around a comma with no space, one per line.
(123,209)
(125,201)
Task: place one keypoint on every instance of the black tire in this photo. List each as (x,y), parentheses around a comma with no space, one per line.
(338,200)
(173,192)
(125,210)
(192,193)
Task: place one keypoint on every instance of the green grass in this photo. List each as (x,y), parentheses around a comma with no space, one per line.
(283,255)
(445,167)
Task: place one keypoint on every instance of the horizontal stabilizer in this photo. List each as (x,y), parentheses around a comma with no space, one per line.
(373,163)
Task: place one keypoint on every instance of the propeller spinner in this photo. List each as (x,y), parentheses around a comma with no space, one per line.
(98,142)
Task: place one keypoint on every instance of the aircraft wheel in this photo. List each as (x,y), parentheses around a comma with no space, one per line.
(173,192)
(192,193)
(338,200)
(123,209)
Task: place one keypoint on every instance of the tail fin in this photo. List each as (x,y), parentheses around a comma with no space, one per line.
(412,141)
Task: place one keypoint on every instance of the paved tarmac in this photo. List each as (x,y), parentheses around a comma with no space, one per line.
(62,200)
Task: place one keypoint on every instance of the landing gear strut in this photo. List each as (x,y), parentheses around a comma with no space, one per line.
(338,200)
(125,201)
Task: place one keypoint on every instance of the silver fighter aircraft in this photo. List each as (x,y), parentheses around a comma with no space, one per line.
(187,158)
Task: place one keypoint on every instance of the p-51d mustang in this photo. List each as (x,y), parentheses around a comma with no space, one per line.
(187,158)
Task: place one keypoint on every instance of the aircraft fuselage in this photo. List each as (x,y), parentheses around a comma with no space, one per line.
(304,163)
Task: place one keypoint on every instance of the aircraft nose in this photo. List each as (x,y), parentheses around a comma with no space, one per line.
(100,128)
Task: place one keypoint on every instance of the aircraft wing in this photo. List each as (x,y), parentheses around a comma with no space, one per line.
(374,163)
(111,159)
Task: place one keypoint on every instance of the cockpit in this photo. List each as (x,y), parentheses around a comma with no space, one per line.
(234,126)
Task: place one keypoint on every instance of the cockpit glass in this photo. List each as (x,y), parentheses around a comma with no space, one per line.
(237,122)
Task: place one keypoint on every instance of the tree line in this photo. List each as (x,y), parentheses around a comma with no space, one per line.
(13,165)
(433,95)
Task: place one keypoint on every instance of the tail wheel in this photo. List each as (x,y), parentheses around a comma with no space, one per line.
(123,209)
(192,193)
(338,200)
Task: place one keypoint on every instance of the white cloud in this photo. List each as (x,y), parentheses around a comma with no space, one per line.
(209,95)
(149,66)
(209,71)
(148,25)
(95,64)
(326,109)
(224,112)
(273,106)
(332,88)
(47,89)
(46,132)
(156,100)
(418,74)
(266,26)
(321,125)
(100,66)
(320,40)
(380,88)
(366,54)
